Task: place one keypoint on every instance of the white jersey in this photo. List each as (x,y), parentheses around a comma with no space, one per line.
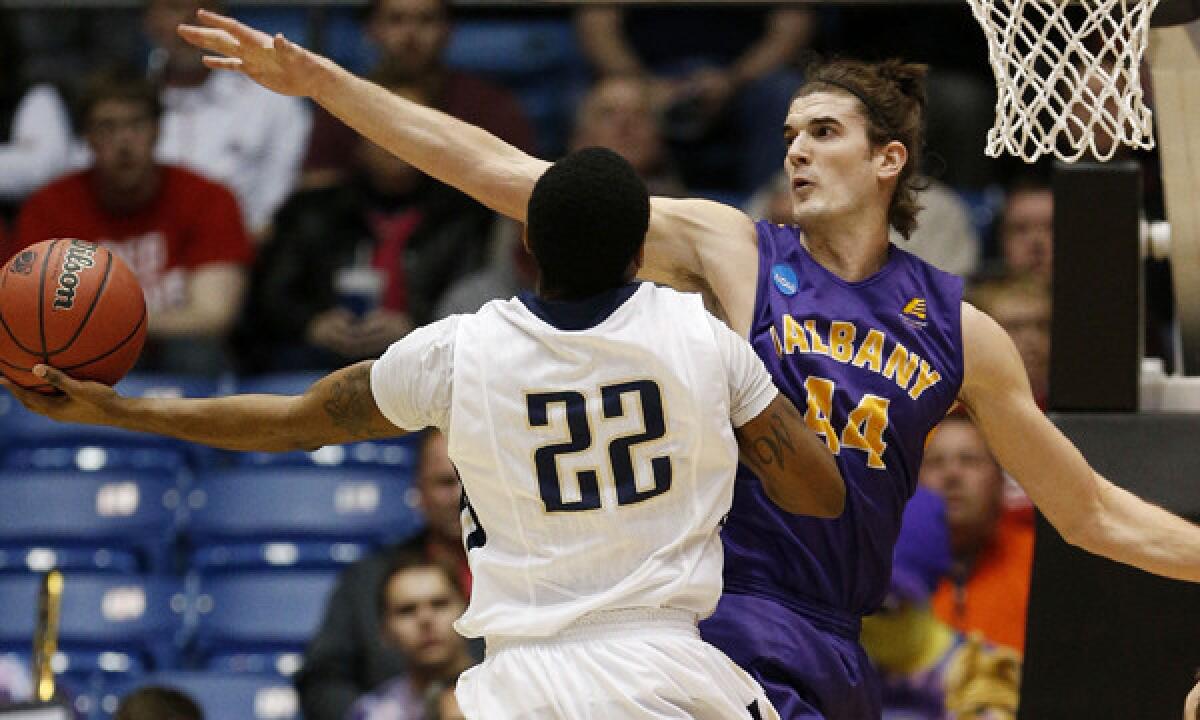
(598,462)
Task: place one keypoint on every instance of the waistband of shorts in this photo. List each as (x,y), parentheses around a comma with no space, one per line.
(824,617)
(606,623)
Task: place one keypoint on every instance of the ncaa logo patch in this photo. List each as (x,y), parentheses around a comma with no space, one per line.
(23,264)
(784,278)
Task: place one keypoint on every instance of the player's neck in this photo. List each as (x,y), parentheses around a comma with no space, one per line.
(854,247)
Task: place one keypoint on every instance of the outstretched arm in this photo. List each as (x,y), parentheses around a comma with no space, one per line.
(692,244)
(337,409)
(1085,508)
(795,467)
(457,153)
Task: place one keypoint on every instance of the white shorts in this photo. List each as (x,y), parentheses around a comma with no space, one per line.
(618,665)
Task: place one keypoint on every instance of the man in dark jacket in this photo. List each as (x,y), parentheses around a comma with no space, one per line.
(349,269)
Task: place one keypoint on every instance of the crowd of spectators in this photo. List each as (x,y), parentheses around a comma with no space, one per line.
(269,236)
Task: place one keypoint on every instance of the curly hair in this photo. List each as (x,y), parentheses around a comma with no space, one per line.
(892,93)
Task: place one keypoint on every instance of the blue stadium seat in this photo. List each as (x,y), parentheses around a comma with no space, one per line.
(398,455)
(291,20)
(258,622)
(343,39)
(538,59)
(299,517)
(109,624)
(30,441)
(221,696)
(108,520)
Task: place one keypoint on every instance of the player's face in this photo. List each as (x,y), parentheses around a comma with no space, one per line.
(830,162)
(617,115)
(441,490)
(422,606)
(958,467)
(410,35)
(121,135)
(1027,229)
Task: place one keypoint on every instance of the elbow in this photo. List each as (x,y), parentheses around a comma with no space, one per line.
(1083,526)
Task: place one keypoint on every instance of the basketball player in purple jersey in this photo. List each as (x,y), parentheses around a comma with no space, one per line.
(874,343)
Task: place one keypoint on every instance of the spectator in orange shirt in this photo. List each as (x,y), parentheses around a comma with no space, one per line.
(988,586)
(182,235)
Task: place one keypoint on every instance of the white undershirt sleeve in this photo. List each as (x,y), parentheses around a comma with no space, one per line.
(751,389)
(412,382)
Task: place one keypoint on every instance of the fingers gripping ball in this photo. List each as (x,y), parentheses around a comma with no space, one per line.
(71,304)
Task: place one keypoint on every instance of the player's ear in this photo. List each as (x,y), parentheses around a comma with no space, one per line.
(891,159)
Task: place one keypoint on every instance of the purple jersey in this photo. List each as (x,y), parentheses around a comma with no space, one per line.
(874,365)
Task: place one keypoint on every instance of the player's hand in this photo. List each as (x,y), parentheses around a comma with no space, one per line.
(273,62)
(79,401)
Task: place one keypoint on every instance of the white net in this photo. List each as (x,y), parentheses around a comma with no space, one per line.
(1068,76)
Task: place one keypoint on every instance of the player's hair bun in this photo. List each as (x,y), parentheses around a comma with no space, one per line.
(909,78)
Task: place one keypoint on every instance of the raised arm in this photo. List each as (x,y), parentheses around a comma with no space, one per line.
(337,409)
(795,467)
(1085,508)
(457,153)
(692,244)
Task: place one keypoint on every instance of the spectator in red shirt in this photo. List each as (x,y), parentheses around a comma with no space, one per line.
(181,234)
(988,587)
(411,36)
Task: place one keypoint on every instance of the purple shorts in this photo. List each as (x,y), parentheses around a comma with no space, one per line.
(808,673)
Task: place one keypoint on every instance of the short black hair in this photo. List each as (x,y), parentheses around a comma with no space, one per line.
(587,219)
(155,702)
(121,83)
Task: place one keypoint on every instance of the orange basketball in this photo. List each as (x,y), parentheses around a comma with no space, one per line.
(71,304)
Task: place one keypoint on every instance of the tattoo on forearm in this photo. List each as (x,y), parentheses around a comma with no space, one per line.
(350,404)
(770,449)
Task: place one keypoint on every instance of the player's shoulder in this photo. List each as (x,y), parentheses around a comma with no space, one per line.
(924,268)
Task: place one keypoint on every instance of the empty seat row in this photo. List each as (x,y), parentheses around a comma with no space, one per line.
(137,521)
(30,442)
(121,626)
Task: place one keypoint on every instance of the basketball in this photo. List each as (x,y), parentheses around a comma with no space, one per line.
(73,305)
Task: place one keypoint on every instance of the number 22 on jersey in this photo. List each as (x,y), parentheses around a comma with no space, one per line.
(620,460)
(864,425)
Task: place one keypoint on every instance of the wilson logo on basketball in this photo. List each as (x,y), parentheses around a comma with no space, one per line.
(23,263)
(79,257)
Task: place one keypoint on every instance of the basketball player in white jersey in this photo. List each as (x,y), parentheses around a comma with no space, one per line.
(593,427)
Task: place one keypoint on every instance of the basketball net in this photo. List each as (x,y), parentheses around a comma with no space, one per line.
(1068,76)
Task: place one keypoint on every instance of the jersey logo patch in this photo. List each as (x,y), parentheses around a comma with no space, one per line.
(914,312)
(784,278)
(916,308)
